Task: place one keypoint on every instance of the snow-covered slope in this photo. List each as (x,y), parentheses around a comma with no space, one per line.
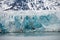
(30,4)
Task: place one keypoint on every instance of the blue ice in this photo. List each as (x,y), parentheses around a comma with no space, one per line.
(2,28)
(29,23)
(17,22)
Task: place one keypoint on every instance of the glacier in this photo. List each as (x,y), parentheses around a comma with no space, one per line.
(29,21)
(30,4)
(29,15)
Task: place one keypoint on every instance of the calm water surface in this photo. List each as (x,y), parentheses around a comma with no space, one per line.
(31,36)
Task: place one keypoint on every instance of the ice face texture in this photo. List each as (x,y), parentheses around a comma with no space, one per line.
(25,23)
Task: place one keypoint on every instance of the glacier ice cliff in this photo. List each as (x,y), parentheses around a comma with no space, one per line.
(17,22)
(31,15)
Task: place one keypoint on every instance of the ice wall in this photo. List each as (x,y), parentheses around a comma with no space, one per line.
(29,21)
